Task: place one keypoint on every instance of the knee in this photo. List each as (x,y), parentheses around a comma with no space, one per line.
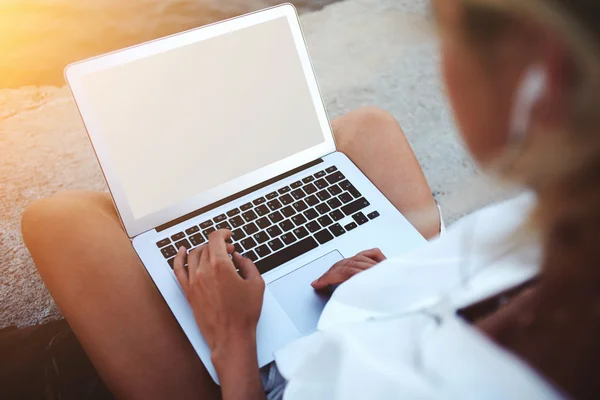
(365,123)
(48,216)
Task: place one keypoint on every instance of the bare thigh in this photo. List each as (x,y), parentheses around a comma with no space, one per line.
(103,290)
(375,142)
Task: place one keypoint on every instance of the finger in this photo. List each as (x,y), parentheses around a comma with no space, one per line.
(179,268)
(374,254)
(366,260)
(336,275)
(217,248)
(230,248)
(246,266)
(194,259)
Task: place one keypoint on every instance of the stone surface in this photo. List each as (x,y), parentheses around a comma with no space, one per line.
(366,52)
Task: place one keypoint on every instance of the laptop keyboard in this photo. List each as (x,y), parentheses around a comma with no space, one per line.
(286,223)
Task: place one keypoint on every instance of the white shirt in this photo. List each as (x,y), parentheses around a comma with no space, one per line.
(392,332)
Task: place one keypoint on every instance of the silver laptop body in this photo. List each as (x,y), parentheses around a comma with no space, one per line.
(224,127)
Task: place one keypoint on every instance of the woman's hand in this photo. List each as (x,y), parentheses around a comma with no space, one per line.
(347,268)
(226,305)
(227,308)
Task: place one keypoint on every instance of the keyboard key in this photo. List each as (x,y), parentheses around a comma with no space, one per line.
(246,207)
(337,230)
(208,231)
(274,231)
(354,192)
(238,234)
(334,190)
(274,205)
(261,237)
(287,225)
(288,211)
(238,248)
(169,251)
(335,177)
(313,226)
(311,214)
(351,225)
(325,221)
(373,215)
(321,184)
(248,243)
(296,185)
(284,190)
(360,218)
(271,195)
(323,195)
(336,215)
(250,229)
(233,212)
(299,220)
(220,218)
(345,185)
(263,251)
(323,236)
(334,203)
(294,251)
(192,230)
(262,210)
(286,199)
(249,216)
(320,174)
(288,238)
(236,221)
(178,236)
(224,225)
(311,201)
(183,243)
(206,224)
(298,194)
(323,208)
(310,188)
(163,242)
(259,201)
(275,244)
(171,262)
(301,232)
(250,255)
(345,197)
(331,169)
(355,206)
(308,179)
(197,239)
(263,223)
(276,217)
(300,206)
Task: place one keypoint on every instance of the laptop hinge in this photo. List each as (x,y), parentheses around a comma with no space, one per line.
(236,196)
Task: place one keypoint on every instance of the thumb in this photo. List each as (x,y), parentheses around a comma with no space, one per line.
(245,265)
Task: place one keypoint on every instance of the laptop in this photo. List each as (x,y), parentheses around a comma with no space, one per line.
(223,127)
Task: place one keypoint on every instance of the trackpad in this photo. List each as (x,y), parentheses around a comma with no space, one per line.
(297,298)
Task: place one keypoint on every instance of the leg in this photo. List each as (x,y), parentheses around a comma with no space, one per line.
(103,290)
(374,141)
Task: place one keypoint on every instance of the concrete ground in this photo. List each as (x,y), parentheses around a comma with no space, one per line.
(366,52)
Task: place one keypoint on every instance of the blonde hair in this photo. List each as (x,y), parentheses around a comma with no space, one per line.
(563,166)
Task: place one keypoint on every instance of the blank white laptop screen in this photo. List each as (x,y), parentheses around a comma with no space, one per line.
(189,119)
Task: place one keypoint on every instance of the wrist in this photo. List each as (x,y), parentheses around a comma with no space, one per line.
(234,350)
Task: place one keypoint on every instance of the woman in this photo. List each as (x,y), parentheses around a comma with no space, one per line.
(523,79)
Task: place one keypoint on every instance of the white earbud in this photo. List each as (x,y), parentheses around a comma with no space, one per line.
(529,93)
